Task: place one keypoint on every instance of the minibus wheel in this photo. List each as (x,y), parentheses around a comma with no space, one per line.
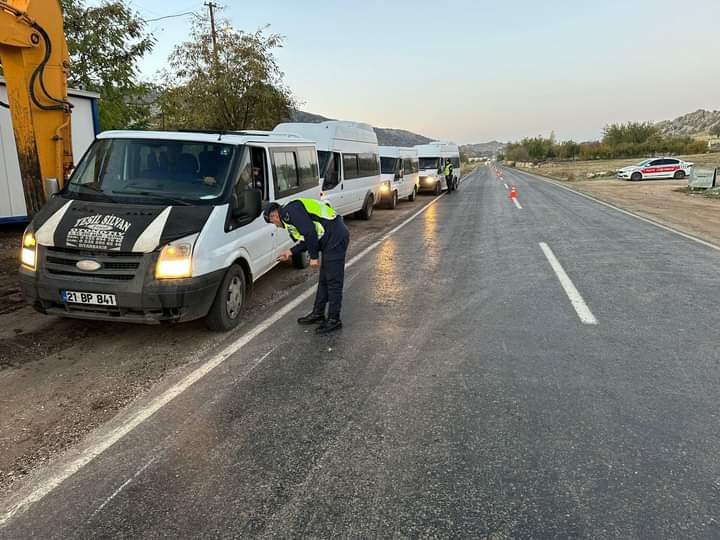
(301,260)
(393,202)
(226,311)
(438,189)
(412,196)
(367,210)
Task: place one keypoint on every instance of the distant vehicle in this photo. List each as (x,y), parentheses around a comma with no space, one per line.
(432,158)
(400,174)
(349,159)
(165,227)
(656,168)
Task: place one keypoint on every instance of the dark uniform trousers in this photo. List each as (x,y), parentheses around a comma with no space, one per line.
(332,272)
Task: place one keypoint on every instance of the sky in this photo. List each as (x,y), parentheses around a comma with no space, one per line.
(478,70)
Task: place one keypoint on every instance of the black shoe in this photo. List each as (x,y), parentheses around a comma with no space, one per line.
(329,326)
(311,318)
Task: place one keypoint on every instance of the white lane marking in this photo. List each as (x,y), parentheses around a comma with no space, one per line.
(506,186)
(123,486)
(517,203)
(582,309)
(628,213)
(166,397)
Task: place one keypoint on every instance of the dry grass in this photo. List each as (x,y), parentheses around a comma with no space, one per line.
(581,170)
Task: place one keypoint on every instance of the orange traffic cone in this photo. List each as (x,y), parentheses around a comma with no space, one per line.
(513,192)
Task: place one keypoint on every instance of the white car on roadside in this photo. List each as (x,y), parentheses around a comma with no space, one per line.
(656,168)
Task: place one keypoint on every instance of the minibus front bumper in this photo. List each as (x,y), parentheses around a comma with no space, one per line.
(129,278)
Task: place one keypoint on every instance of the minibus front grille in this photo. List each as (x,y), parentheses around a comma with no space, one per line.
(114,266)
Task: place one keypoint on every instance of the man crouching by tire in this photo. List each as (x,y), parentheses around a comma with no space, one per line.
(316,227)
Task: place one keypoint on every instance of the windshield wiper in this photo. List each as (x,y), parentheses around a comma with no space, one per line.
(95,189)
(180,202)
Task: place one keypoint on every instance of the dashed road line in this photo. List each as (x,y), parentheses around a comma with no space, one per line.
(581,308)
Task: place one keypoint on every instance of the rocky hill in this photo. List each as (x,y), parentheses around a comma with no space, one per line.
(694,124)
(487,149)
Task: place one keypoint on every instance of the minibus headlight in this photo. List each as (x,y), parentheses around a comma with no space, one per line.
(28,252)
(385,187)
(175,260)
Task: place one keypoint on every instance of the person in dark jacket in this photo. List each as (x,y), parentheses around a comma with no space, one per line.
(316,228)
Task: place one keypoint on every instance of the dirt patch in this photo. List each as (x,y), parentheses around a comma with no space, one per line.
(10,297)
(62,378)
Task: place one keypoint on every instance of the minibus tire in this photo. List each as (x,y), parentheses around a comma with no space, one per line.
(393,202)
(366,211)
(218,318)
(438,189)
(412,196)
(301,260)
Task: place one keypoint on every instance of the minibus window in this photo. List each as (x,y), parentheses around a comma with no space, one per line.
(350,166)
(429,163)
(329,168)
(389,165)
(287,180)
(148,170)
(308,168)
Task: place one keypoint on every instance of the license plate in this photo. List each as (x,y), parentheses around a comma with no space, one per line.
(95,299)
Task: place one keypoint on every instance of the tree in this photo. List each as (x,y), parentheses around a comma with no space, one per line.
(715,130)
(105,44)
(233,85)
(632,132)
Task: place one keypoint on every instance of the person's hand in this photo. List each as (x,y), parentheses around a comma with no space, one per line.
(285,256)
(314,263)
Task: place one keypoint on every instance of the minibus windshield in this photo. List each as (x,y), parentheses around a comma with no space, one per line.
(429,163)
(151,171)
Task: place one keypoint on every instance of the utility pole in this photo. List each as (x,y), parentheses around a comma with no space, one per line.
(211,6)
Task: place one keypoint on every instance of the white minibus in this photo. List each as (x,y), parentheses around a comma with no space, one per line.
(400,174)
(349,159)
(165,226)
(432,158)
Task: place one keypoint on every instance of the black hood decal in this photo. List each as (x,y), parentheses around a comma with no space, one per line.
(102,226)
(184,221)
(116,227)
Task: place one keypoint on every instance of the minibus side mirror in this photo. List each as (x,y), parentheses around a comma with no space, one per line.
(248,206)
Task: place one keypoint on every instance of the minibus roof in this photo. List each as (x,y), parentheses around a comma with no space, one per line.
(227,137)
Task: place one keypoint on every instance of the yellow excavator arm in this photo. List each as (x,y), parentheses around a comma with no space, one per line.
(34,58)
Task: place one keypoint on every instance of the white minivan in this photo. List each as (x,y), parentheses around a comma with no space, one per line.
(400,174)
(165,226)
(349,159)
(432,158)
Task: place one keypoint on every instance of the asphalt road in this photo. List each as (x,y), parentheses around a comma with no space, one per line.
(465,397)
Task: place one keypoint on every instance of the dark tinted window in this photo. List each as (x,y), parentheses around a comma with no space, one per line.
(456,162)
(329,169)
(350,166)
(287,180)
(389,165)
(429,163)
(308,168)
(369,164)
(656,162)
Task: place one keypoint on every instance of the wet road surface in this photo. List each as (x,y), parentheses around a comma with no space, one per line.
(466,396)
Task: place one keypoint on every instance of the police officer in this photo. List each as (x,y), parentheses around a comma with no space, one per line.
(449,176)
(316,227)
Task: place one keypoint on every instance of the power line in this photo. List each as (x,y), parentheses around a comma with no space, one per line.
(170,16)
